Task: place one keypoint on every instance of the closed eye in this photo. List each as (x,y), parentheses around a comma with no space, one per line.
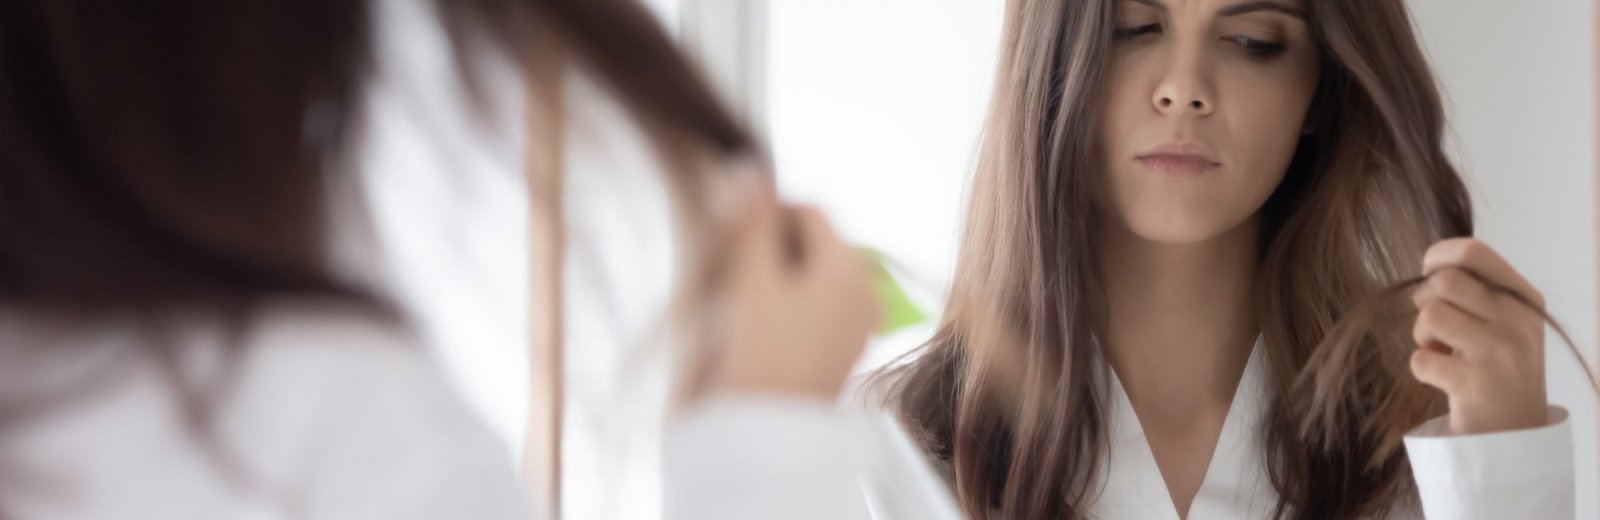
(1258,48)
(1128,33)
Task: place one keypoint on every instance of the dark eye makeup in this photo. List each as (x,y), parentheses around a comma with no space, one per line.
(1258,48)
(1253,47)
(1129,33)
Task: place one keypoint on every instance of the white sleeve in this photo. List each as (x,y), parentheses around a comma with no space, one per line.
(410,450)
(902,483)
(768,457)
(1514,474)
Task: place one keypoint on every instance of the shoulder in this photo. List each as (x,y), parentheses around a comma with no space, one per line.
(348,406)
(333,355)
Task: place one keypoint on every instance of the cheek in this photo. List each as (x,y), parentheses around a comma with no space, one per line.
(1126,108)
(1127,120)
(1266,131)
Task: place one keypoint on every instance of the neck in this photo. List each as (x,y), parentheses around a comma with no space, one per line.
(1181,316)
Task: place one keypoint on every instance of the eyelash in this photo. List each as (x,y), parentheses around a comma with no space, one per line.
(1259,49)
(1128,33)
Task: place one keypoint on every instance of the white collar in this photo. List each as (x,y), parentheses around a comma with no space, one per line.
(1236,484)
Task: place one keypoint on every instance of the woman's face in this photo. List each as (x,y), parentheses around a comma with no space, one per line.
(1207,101)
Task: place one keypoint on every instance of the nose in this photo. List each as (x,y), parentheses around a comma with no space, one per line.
(1197,105)
(1184,89)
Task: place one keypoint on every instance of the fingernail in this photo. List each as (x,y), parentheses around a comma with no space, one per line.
(751,175)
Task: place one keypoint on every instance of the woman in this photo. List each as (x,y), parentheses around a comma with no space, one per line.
(1176,202)
(1184,216)
(193,318)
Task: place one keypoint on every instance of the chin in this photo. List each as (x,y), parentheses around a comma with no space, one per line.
(1177,227)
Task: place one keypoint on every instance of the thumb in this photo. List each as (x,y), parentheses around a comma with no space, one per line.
(757,226)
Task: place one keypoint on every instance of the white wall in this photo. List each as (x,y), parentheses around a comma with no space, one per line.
(1520,84)
(874,112)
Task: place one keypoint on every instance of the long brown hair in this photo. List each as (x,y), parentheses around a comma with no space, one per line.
(171,152)
(1010,392)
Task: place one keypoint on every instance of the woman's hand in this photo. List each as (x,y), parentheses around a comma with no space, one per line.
(1482,346)
(797,308)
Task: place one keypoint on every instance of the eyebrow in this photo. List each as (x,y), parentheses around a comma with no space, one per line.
(1240,8)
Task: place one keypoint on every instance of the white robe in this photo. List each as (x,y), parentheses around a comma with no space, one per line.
(779,458)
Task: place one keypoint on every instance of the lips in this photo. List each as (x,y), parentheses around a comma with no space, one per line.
(1179,157)
(1177,163)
